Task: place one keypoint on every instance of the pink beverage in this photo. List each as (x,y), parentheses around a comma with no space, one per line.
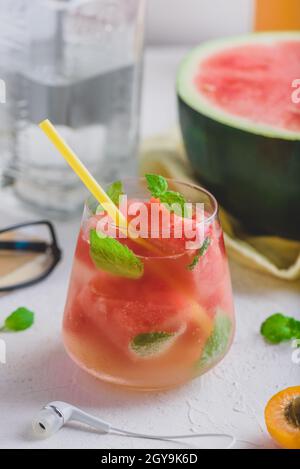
(168,323)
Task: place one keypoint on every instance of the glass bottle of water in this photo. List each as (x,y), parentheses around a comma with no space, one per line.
(77,63)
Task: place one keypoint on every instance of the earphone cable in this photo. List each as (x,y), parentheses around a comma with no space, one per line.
(171,438)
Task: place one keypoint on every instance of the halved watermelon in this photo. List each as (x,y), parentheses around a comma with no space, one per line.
(241,127)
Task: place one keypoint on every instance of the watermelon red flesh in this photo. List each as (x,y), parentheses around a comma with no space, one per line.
(254,81)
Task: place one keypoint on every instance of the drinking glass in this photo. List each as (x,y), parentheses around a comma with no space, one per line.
(164,328)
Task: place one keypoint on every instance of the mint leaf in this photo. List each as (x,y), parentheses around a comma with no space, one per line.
(151,343)
(19,320)
(216,345)
(111,256)
(199,254)
(174,201)
(157,185)
(114,191)
(279,328)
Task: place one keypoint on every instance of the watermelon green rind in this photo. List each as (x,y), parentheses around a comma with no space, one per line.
(188,93)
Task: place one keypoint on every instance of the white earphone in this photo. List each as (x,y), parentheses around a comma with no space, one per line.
(56,414)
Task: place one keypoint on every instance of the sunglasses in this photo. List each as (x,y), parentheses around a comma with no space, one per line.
(28,254)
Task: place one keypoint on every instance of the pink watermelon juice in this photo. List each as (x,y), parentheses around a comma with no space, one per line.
(161,328)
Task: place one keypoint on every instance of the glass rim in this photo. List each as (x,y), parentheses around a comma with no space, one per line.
(201,189)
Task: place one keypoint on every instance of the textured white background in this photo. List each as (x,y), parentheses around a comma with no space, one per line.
(191,21)
(231,398)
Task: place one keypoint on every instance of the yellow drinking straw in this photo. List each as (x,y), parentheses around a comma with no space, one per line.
(91,184)
(82,172)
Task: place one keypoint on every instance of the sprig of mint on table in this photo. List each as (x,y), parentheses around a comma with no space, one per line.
(280,328)
(21,319)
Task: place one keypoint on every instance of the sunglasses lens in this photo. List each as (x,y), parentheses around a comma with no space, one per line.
(24,255)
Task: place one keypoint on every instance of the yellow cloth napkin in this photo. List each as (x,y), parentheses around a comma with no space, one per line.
(165,155)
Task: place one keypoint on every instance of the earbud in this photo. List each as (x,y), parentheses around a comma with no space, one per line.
(55,415)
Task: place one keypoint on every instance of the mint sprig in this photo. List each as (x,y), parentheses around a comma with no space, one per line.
(217,344)
(158,187)
(157,184)
(151,343)
(114,192)
(280,328)
(111,256)
(174,200)
(21,319)
(200,253)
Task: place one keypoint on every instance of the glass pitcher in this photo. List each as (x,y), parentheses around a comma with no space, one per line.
(77,63)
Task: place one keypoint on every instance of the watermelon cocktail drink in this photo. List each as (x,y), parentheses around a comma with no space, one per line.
(150,308)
